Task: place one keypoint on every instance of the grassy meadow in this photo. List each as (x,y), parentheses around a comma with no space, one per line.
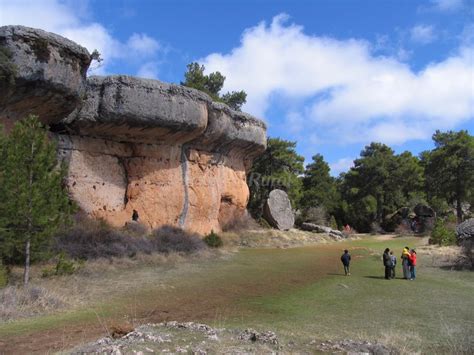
(299,293)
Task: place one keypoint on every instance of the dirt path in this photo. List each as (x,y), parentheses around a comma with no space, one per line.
(218,290)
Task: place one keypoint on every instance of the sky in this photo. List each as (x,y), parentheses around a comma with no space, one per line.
(332,75)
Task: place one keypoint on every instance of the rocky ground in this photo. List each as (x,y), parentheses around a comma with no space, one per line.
(196,338)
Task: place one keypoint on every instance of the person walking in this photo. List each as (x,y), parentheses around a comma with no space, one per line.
(406,263)
(387,262)
(412,259)
(346,261)
(394,263)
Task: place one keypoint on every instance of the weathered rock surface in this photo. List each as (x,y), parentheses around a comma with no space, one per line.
(48,77)
(164,150)
(322,229)
(465,230)
(424,211)
(278,211)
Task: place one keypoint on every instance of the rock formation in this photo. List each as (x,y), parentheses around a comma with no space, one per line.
(278,211)
(312,227)
(465,230)
(165,150)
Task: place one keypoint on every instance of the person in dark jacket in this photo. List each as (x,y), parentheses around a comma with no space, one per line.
(387,262)
(394,264)
(346,261)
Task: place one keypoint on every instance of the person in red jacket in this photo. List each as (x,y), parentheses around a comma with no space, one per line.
(412,259)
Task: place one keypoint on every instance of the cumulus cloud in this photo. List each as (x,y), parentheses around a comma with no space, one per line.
(148,70)
(347,91)
(447,5)
(65,19)
(423,34)
(143,44)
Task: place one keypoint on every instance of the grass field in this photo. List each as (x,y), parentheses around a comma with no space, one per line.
(300,293)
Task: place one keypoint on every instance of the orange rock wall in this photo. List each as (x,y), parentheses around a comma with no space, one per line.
(167,184)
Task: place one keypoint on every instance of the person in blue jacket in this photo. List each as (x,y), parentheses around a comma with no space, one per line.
(346,261)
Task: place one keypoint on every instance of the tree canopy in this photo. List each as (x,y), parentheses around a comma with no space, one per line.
(212,84)
(278,168)
(33,203)
(450,168)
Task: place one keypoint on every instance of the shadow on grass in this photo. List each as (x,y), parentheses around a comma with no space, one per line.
(375,277)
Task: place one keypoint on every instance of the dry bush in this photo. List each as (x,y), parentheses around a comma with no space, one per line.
(95,239)
(136,229)
(20,302)
(466,259)
(241,223)
(169,239)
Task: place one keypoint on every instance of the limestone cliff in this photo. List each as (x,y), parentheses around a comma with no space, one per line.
(165,150)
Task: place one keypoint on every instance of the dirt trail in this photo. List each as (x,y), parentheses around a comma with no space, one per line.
(220,289)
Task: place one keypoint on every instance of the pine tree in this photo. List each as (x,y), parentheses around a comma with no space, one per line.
(449,168)
(212,85)
(33,202)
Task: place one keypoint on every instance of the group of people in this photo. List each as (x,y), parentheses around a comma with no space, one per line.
(408,263)
(389,261)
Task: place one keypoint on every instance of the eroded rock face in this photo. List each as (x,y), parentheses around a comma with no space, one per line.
(42,74)
(164,150)
(278,211)
(465,230)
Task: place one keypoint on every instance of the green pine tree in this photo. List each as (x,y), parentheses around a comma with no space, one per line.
(33,202)
(212,85)
(449,168)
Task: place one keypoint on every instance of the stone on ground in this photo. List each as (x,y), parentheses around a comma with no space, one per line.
(278,211)
(465,230)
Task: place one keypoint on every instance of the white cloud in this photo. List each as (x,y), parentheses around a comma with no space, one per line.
(143,44)
(66,19)
(148,70)
(342,165)
(351,94)
(423,34)
(447,5)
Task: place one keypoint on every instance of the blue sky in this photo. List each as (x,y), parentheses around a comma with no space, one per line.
(332,75)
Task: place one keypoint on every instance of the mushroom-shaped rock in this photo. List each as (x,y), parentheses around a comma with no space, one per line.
(42,74)
(424,211)
(139,110)
(465,230)
(278,210)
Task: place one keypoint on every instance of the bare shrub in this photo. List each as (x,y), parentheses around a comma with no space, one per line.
(240,223)
(168,239)
(467,254)
(95,239)
(136,229)
(20,302)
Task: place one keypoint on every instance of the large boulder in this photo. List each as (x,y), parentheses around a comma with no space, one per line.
(41,73)
(424,211)
(465,230)
(278,211)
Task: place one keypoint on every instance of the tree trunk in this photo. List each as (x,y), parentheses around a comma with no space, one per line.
(26,274)
(459,210)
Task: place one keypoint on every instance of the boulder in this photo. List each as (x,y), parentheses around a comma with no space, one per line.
(42,74)
(278,210)
(465,230)
(424,211)
(322,229)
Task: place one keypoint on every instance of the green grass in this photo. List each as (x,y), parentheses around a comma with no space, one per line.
(299,293)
